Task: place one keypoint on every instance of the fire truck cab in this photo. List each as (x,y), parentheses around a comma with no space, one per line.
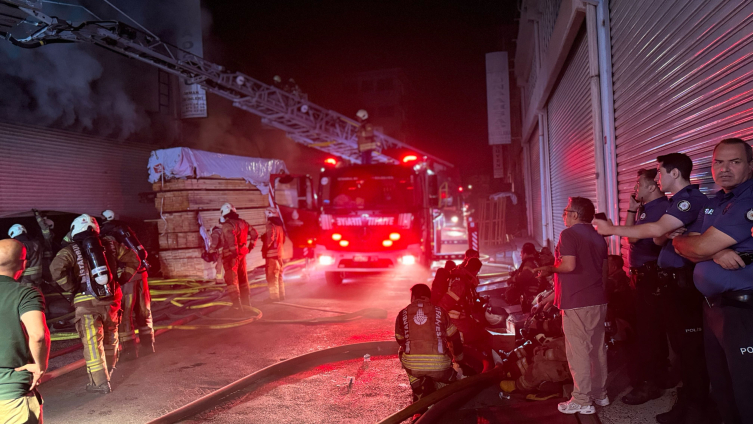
(375,218)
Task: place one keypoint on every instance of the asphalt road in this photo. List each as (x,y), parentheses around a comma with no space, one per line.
(190,364)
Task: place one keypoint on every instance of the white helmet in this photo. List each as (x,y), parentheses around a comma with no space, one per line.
(362,114)
(108,215)
(16,230)
(226,209)
(277,79)
(271,212)
(83,223)
(495,316)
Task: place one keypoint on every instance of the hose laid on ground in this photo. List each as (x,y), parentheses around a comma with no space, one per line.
(277,371)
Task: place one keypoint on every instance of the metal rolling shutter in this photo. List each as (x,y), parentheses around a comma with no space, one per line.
(682,73)
(64,171)
(536,172)
(571,143)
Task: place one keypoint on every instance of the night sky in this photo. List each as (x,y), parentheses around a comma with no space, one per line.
(439,45)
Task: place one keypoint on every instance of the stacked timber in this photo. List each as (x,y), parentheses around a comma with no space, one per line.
(190,207)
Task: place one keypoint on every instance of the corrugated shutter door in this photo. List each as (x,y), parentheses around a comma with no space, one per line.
(682,73)
(538,231)
(64,171)
(571,145)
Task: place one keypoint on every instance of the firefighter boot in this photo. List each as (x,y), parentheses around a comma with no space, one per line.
(103,388)
(129,351)
(147,344)
(244,293)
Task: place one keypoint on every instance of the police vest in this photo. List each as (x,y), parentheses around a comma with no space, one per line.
(426,347)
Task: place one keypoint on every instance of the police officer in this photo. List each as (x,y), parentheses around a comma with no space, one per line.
(92,267)
(647,204)
(725,277)
(273,242)
(429,343)
(137,303)
(238,238)
(681,302)
(461,305)
(32,275)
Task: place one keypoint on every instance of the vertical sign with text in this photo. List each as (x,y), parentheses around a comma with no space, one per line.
(498,98)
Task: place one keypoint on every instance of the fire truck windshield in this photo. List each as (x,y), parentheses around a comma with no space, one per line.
(383,191)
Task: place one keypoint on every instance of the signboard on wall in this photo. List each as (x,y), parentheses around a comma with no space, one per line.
(193,97)
(498,159)
(498,98)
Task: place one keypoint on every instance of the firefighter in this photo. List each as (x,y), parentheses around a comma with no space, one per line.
(441,281)
(92,268)
(215,249)
(237,239)
(429,343)
(273,242)
(137,303)
(46,225)
(32,275)
(467,313)
(365,133)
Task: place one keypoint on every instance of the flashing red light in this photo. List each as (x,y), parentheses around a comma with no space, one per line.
(409,158)
(330,161)
(460,189)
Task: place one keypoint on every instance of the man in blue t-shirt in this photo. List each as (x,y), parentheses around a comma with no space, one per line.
(579,271)
(650,353)
(681,302)
(725,277)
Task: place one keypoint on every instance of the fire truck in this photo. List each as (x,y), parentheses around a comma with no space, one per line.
(375,218)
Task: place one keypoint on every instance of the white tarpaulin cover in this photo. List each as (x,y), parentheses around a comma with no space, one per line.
(182,162)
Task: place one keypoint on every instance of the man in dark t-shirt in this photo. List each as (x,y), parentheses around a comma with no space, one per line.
(579,271)
(22,360)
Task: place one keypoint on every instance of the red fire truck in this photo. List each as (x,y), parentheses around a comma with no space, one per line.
(374,218)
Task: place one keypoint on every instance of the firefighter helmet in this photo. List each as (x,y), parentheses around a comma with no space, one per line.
(83,223)
(362,114)
(226,209)
(496,316)
(271,212)
(16,230)
(108,215)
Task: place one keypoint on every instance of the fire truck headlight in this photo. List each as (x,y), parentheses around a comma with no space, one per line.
(409,260)
(326,260)
(386,243)
(344,243)
(394,236)
(337,236)
(454,219)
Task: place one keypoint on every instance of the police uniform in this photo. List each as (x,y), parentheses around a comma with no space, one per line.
(96,319)
(32,275)
(681,302)
(728,310)
(137,303)
(653,354)
(274,240)
(238,238)
(428,342)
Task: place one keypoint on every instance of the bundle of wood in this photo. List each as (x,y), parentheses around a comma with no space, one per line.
(186,205)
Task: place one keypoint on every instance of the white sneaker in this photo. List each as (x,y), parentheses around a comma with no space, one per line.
(602,402)
(571,407)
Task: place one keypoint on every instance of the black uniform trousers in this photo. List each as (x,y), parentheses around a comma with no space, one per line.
(683,317)
(651,349)
(728,333)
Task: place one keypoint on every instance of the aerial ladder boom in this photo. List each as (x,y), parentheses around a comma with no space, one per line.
(304,122)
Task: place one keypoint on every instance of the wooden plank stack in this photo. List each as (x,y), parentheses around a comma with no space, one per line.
(184,203)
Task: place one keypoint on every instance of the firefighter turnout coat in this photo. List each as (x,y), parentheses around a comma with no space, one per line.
(32,275)
(237,238)
(428,340)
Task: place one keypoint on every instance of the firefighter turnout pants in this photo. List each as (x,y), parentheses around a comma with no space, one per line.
(546,365)
(97,323)
(137,311)
(274,279)
(236,278)
(427,373)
